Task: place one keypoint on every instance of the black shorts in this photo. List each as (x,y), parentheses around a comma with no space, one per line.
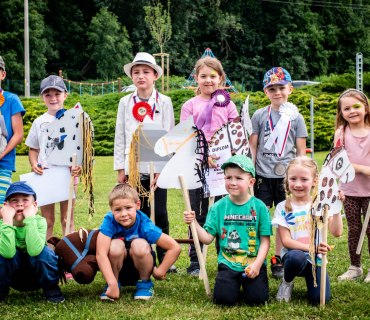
(128,276)
(270,190)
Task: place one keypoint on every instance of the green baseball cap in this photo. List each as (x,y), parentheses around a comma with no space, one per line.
(245,163)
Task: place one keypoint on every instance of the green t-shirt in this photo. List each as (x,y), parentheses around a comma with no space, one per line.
(239,228)
(30,238)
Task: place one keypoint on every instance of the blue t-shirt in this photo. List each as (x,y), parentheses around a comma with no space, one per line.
(11,106)
(143,228)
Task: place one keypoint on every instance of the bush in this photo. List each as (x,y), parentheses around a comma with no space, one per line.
(102,110)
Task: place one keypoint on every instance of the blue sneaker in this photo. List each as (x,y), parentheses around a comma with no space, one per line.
(104,297)
(144,290)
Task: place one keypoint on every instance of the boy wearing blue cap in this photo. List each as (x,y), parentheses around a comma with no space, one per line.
(26,262)
(11,132)
(242,224)
(279,135)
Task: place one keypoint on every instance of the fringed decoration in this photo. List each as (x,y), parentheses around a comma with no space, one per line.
(88,159)
(313,235)
(134,158)
(202,166)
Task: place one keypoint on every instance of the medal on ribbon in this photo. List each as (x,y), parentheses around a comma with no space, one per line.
(279,135)
(221,98)
(141,110)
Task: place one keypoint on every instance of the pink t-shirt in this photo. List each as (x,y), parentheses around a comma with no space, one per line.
(358,150)
(220,115)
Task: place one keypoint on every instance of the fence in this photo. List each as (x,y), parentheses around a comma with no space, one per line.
(79,87)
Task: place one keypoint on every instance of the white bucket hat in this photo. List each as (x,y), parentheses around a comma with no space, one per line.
(143,58)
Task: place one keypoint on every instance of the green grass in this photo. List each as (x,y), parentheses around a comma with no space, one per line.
(181,296)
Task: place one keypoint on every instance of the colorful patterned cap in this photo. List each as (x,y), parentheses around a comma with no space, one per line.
(276,75)
(52,82)
(19,187)
(245,163)
(2,63)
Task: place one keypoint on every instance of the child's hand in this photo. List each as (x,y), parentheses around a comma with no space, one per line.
(153,184)
(324,248)
(189,216)
(113,291)
(30,211)
(37,168)
(212,161)
(8,214)
(158,275)
(252,271)
(76,171)
(341,195)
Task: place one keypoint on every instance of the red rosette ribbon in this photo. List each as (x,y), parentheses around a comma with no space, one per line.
(221,98)
(142,109)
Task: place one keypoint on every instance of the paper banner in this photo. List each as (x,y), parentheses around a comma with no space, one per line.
(47,191)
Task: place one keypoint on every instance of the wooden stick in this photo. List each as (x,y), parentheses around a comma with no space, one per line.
(151,195)
(205,246)
(324,234)
(193,229)
(363,231)
(70,198)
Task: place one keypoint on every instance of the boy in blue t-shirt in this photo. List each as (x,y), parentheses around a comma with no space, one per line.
(242,224)
(11,133)
(123,249)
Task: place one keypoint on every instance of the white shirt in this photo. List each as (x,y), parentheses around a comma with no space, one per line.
(126,124)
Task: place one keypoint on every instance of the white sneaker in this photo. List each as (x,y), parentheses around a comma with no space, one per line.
(367,279)
(352,273)
(285,291)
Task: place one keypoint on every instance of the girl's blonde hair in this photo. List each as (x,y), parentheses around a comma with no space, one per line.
(212,63)
(360,96)
(123,191)
(304,162)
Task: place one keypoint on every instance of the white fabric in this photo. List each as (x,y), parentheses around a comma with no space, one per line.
(126,124)
(37,139)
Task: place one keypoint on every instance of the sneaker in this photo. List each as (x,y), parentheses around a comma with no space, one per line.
(104,297)
(285,291)
(277,268)
(144,290)
(193,269)
(352,273)
(367,279)
(4,292)
(172,269)
(53,294)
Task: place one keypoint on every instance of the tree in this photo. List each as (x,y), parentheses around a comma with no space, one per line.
(109,44)
(159,22)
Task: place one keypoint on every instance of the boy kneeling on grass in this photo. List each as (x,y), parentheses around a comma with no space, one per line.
(242,224)
(26,262)
(123,250)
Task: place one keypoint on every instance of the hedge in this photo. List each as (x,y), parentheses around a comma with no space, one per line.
(102,110)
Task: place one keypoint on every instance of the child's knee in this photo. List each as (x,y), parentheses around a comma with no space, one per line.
(117,248)
(140,248)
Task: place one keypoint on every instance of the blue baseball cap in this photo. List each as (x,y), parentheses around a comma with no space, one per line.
(276,75)
(19,187)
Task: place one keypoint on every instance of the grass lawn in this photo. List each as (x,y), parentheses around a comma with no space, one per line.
(182,296)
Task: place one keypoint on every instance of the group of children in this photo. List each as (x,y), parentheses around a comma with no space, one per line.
(282,176)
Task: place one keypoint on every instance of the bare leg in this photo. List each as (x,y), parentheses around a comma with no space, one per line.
(63,216)
(140,253)
(48,212)
(117,254)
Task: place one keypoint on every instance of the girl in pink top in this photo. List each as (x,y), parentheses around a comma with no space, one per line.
(353,132)
(210,109)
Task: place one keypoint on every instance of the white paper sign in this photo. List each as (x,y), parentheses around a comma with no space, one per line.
(50,187)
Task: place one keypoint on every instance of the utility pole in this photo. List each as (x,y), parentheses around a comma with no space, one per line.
(26,52)
(359,75)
